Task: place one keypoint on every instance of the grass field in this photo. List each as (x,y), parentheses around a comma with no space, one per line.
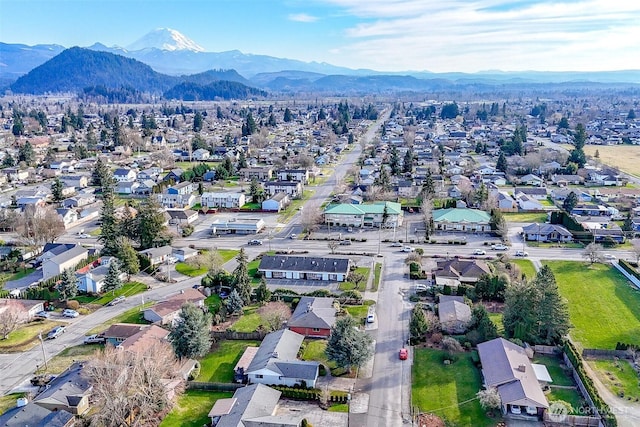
(348,286)
(603,307)
(192,408)
(26,336)
(618,376)
(448,391)
(248,322)
(525,217)
(496,318)
(624,157)
(128,290)
(292,209)
(9,401)
(217,366)
(64,359)
(525,267)
(376,277)
(133,315)
(190,270)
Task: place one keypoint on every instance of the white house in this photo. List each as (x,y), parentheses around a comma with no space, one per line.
(67,259)
(296,175)
(291,188)
(201,154)
(222,200)
(276,203)
(124,174)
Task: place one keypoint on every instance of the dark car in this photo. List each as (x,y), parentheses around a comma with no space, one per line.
(345,242)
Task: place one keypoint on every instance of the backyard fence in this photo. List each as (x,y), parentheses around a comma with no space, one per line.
(546,349)
(596,353)
(572,420)
(582,388)
(628,275)
(194,385)
(232,335)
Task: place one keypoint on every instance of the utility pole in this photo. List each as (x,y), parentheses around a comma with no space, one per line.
(44,354)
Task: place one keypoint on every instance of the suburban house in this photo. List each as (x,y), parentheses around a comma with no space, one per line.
(276,362)
(144,339)
(538,193)
(455,271)
(257,173)
(77,181)
(36,416)
(528,203)
(454,314)
(119,332)
(276,203)
(25,308)
(251,406)
(182,188)
(178,217)
(546,233)
(69,392)
(237,226)
(183,254)
(565,180)
(68,216)
(126,187)
(201,154)
(364,215)
(157,255)
(91,277)
(174,175)
(166,312)
(69,258)
(461,219)
(506,367)
(124,175)
(531,179)
(506,203)
(79,201)
(291,188)
(313,317)
(305,268)
(222,200)
(296,175)
(176,201)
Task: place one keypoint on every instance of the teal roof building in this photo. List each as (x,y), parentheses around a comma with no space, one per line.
(364,215)
(461,219)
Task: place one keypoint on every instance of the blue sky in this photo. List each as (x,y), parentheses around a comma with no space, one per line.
(385,35)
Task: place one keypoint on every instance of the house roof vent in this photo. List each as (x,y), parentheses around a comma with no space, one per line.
(522,368)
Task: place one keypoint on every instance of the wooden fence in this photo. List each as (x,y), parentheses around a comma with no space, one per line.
(582,388)
(232,335)
(546,349)
(194,385)
(572,420)
(596,353)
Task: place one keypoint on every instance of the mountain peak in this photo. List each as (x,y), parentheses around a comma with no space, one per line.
(165,39)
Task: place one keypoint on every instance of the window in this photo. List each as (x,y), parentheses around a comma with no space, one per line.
(259,376)
(316,329)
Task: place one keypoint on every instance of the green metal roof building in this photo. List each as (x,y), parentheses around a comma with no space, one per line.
(364,215)
(461,219)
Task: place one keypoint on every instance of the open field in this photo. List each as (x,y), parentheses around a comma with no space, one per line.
(619,377)
(26,336)
(603,307)
(133,315)
(64,359)
(624,157)
(526,267)
(448,391)
(192,408)
(525,217)
(249,321)
(128,289)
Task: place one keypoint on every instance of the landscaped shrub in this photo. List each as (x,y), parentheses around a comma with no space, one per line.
(73,304)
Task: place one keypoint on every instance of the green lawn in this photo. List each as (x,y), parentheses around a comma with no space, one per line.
(217,366)
(251,206)
(248,322)
(618,376)
(7,277)
(568,245)
(190,270)
(348,286)
(448,391)
(292,209)
(571,396)
(376,277)
(252,270)
(603,307)
(554,365)
(128,290)
(214,302)
(525,267)
(496,318)
(359,312)
(9,401)
(314,351)
(228,254)
(525,217)
(192,408)
(26,336)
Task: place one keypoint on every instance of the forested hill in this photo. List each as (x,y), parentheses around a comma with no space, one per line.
(213,91)
(76,69)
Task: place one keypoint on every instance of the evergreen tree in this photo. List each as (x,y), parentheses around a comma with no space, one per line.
(197,122)
(287,115)
(242,282)
(263,294)
(56,190)
(128,224)
(501,163)
(394,161)
(348,346)
(109,229)
(128,257)
(152,230)
(383,179)
(112,280)
(482,323)
(631,115)
(8,160)
(242,160)
(407,163)
(428,187)
(191,336)
(68,286)
(418,324)
(26,154)
(519,316)
(249,127)
(100,173)
(234,303)
(570,202)
(256,191)
(552,314)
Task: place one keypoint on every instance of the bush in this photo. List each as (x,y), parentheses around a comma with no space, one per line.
(73,304)
(194,372)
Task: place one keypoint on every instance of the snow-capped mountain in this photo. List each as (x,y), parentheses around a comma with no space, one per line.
(165,39)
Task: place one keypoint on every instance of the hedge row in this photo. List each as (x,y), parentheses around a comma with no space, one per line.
(629,268)
(574,356)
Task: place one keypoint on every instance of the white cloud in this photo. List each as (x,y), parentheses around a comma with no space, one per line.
(477,35)
(302,17)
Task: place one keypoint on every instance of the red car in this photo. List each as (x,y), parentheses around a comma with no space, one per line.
(404,354)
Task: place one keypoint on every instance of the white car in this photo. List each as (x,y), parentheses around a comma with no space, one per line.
(499,247)
(396,245)
(117,300)
(608,257)
(70,313)
(408,249)
(479,252)
(95,339)
(293,236)
(84,236)
(522,253)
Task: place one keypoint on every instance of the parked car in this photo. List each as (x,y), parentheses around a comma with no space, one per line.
(41,315)
(70,313)
(345,242)
(293,236)
(95,339)
(404,354)
(420,287)
(255,242)
(117,300)
(499,247)
(55,332)
(522,253)
(42,379)
(479,252)
(608,257)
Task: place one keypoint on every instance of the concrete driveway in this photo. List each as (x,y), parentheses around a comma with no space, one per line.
(313,413)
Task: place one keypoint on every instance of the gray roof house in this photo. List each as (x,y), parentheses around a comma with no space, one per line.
(313,317)
(300,267)
(251,406)
(506,367)
(36,416)
(69,391)
(276,362)
(546,233)
(454,314)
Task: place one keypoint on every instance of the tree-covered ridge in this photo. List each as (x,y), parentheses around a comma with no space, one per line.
(212,91)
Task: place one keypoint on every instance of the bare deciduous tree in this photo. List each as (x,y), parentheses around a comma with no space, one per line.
(210,260)
(376,192)
(129,387)
(9,318)
(274,314)
(163,158)
(593,253)
(636,252)
(333,245)
(310,219)
(39,225)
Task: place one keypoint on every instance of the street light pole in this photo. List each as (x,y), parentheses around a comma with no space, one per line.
(44,354)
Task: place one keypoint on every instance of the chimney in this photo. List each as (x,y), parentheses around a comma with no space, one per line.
(274,354)
(309,307)
(522,368)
